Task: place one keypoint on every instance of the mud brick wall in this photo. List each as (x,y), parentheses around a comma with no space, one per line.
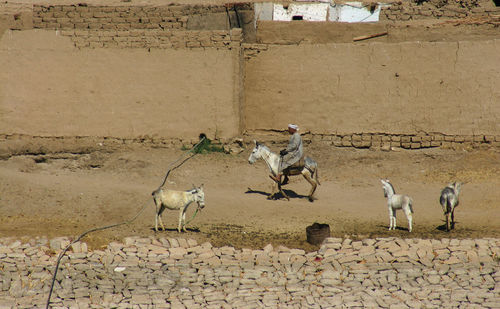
(394,141)
(407,10)
(133,27)
(262,90)
(146,38)
(116,17)
(118,92)
(252,50)
(342,89)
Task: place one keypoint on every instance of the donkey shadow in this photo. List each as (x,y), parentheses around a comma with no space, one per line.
(277,196)
(442,227)
(398,228)
(188,229)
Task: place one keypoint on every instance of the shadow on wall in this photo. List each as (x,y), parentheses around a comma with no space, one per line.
(235,16)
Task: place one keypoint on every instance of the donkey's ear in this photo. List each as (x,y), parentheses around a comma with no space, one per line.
(255,142)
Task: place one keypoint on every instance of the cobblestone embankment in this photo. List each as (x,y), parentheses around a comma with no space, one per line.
(178,273)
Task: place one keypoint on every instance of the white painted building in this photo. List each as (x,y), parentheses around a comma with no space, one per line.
(350,12)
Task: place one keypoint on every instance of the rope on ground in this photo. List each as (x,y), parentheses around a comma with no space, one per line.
(192,218)
(61,255)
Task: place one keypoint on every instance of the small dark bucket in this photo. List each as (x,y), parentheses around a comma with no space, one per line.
(317,232)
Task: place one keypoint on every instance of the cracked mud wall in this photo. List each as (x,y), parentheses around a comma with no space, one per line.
(401,88)
(50,88)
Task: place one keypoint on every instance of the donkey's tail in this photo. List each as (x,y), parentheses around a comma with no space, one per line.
(446,203)
(155,192)
(449,205)
(312,166)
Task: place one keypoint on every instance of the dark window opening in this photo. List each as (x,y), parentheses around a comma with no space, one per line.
(298,17)
(497,2)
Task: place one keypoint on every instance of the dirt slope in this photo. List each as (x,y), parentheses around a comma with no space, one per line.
(65,193)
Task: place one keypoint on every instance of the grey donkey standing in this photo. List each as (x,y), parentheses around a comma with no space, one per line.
(449,200)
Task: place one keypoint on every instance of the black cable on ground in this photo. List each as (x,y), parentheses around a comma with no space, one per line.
(61,255)
(237,16)
(203,137)
(228,17)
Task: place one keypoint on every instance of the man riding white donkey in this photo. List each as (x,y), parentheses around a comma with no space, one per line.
(291,155)
(290,162)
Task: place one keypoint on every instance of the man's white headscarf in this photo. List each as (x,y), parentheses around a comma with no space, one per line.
(293,126)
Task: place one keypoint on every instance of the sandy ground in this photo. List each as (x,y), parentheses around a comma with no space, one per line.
(51,190)
(64,193)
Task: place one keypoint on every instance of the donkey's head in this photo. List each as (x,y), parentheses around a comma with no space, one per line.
(199,196)
(388,188)
(456,186)
(256,153)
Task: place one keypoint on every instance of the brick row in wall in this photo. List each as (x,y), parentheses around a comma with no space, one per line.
(391,141)
(176,39)
(386,142)
(82,16)
(404,11)
(119,17)
(252,50)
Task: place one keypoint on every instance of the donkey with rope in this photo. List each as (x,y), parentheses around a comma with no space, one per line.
(448,201)
(395,202)
(177,200)
(171,199)
(309,169)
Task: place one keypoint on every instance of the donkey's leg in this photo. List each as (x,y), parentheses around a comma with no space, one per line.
(274,188)
(409,217)
(278,191)
(392,218)
(452,218)
(307,176)
(158,218)
(161,222)
(448,219)
(184,219)
(180,220)
(282,192)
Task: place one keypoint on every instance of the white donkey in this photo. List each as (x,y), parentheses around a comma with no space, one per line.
(165,198)
(309,171)
(449,200)
(397,201)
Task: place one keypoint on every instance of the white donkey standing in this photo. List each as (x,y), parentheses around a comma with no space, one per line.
(309,171)
(397,201)
(166,198)
(449,200)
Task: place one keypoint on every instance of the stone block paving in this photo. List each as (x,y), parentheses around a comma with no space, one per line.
(180,273)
